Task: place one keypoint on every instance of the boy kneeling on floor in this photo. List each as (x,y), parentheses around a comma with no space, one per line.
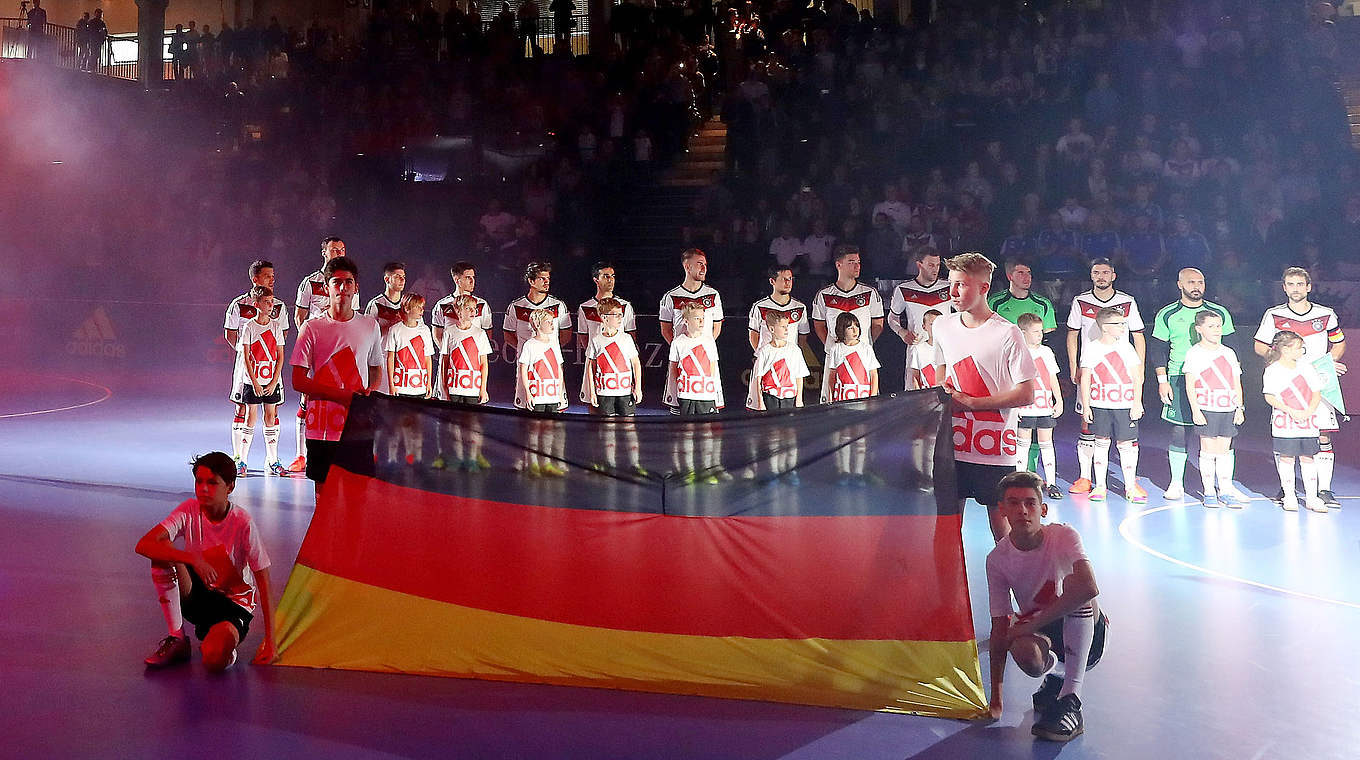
(1060,626)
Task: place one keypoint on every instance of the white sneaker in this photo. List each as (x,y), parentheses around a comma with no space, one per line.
(1315,504)
(1233,497)
(1290,503)
(1174,492)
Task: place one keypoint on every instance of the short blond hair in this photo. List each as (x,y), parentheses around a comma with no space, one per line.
(538,316)
(465,301)
(691,308)
(773,318)
(972,263)
(608,306)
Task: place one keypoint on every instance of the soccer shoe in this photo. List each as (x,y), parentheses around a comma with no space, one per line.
(711,480)
(792,478)
(1047,694)
(1289,503)
(298,465)
(535,470)
(277,469)
(1099,493)
(1062,722)
(483,462)
(555,470)
(1233,497)
(1211,501)
(641,471)
(1316,504)
(1329,499)
(1053,492)
(845,479)
(438,463)
(747,473)
(1135,493)
(171,650)
(870,479)
(1174,492)
(1082,485)
(240,469)
(1279,497)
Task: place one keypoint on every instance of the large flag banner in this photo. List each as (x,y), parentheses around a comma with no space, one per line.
(812,557)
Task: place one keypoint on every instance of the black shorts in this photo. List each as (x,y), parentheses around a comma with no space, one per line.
(1113,423)
(980,481)
(1038,422)
(355,456)
(615,406)
(1054,632)
(1217,425)
(246,395)
(544,408)
(1295,447)
(465,400)
(206,607)
(694,407)
(777,404)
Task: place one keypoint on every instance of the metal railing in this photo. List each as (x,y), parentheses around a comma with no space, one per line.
(542,33)
(57,46)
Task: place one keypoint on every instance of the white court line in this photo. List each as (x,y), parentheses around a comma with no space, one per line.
(1125,530)
(107,394)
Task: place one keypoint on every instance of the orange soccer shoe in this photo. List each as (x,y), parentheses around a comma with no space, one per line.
(1083,485)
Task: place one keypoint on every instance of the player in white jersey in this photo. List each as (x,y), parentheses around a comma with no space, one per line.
(846,295)
(1082,331)
(1213,384)
(692,291)
(988,373)
(913,298)
(588,319)
(239,311)
(1038,419)
(260,353)
(779,302)
(337,355)
(1294,391)
(313,300)
(921,359)
(1324,343)
(463,353)
(517,326)
(852,369)
(1110,387)
(409,347)
(545,391)
(444,312)
(614,381)
(692,367)
(386,307)
(778,374)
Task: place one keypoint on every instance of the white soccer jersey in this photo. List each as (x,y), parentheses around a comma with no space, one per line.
(341,353)
(696,361)
(849,369)
(794,311)
(242,310)
(411,347)
(862,301)
(1036,576)
(311,295)
(544,361)
(1319,328)
(1044,392)
(1116,374)
(231,545)
(518,312)
(777,369)
(442,315)
(1082,315)
(612,358)
(983,361)
(1294,388)
(922,359)
(911,300)
(1214,369)
(386,311)
(589,324)
(463,351)
(263,344)
(675,300)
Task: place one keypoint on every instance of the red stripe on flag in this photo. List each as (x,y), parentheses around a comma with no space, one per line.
(851,577)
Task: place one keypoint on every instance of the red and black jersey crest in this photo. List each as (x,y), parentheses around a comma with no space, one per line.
(1089,310)
(680,302)
(793,315)
(591,314)
(450,312)
(522,313)
(846,303)
(318,288)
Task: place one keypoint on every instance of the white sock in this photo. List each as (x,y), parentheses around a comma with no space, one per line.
(1286,469)
(1324,460)
(1086,448)
(1225,464)
(238,427)
(859,454)
(167,593)
(247,437)
(1078,633)
(1049,460)
(301,432)
(630,441)
(1128,463)
(1206,471)
(1311,482)
(1100,461)
(1021,453)
(271,442)
(611,446)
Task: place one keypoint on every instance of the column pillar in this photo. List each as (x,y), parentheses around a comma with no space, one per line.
(150,42)
(599,24)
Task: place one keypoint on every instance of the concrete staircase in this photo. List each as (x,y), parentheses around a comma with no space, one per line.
(703,161)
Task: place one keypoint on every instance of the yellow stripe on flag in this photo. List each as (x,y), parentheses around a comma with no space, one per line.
(325,621)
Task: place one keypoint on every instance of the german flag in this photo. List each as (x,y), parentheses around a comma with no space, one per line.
(826,592)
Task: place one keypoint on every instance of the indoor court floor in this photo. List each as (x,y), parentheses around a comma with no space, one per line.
(1233,632)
